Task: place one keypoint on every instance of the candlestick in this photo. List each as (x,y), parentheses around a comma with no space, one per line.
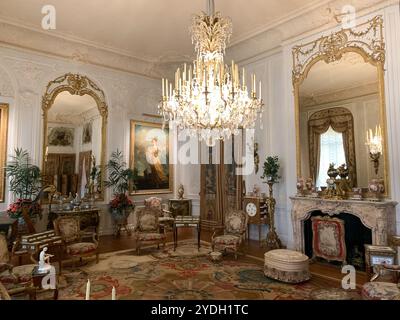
(162,85)
(260,91)
(113,294)
(87,290)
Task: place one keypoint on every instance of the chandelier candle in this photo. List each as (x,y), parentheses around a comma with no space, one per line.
(209,100)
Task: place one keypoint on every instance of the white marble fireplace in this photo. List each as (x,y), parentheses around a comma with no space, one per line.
(380,217)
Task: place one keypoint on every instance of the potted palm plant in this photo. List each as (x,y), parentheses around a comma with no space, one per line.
(120,179)
(24,183)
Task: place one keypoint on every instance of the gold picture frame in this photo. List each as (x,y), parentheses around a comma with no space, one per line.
(366,39)
(4,108)
(150,178)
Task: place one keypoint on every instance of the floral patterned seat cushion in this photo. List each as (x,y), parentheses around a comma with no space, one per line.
(226,240)
(21,274)
(81,248)
(380,291)
(150,236)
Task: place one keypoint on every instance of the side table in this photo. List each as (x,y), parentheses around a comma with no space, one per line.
(181,221)
(37,279)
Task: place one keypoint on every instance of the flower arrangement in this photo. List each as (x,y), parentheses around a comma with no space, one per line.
(120,179)
(120,204)
(15,209)
(24,183)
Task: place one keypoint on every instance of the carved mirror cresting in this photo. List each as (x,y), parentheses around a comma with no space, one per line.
(74,136)
(339,103)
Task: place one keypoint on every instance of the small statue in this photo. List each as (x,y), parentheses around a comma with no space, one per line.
(181,192)
(300,186)
(44,260)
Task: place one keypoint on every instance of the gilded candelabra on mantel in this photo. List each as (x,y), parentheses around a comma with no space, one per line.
(272,241)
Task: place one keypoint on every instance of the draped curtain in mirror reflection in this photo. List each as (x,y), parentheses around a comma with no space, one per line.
(341,121)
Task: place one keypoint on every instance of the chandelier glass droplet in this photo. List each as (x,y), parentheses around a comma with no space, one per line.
(209,98)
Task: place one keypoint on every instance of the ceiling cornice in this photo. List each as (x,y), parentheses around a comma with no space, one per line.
(264,39)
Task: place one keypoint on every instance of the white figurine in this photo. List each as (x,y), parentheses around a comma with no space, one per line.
(44,260)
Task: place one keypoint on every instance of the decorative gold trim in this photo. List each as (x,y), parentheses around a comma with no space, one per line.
(3,147)
(132,160)
(365,39)
(77,84)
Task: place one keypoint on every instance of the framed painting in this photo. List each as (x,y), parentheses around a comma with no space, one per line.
(150,159)
(61,137)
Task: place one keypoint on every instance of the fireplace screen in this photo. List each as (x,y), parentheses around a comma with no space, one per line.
(329,238)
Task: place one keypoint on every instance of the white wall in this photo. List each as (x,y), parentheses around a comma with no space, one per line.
(23,79)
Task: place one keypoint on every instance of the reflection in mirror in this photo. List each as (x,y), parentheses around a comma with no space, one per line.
(339,103)
(74,131)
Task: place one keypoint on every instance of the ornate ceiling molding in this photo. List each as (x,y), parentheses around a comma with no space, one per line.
(269,37)
(366,39)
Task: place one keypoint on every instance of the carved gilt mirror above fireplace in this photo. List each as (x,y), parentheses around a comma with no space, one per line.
(340,105)
(74,136)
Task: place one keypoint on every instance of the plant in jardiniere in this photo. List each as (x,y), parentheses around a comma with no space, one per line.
(24,183)
(120,179)
(271,169)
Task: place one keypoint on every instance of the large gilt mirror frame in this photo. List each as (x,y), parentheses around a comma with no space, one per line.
(367,40)
(81,85)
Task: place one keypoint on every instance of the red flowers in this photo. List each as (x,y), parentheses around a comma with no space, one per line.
(15,209)
(121,202)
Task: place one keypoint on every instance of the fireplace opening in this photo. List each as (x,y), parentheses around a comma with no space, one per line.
(356,236)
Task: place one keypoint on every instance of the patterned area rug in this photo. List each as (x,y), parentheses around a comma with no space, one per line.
(181,275)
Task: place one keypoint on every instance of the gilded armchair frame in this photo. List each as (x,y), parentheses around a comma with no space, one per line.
(367,40)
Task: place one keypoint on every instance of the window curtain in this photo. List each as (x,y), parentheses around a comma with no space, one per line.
(341,120)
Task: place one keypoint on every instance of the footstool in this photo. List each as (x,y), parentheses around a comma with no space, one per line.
(286,266)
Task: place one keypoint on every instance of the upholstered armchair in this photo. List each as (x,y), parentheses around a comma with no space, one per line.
(16,280)
(69,229)
(148,229)
(165,217)
(379,290)
(234,231)
(154,202)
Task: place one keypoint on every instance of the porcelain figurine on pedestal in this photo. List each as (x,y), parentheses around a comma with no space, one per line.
(44,261)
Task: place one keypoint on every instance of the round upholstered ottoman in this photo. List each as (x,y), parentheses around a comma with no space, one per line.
(380,291)
(287,266)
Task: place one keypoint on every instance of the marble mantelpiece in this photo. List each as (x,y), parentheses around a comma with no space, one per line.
(380,217)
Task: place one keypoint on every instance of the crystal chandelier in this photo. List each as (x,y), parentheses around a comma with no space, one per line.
(211,99)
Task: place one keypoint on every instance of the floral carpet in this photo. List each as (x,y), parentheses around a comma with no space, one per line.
(182,275)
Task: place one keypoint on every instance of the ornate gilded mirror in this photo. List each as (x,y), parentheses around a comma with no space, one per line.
(340,106)
(74,135)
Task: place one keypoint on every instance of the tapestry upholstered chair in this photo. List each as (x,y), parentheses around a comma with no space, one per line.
(147,228)
(387,288)
(16,280)
(69,229)
(234,232)
(379,290)
(165,217)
